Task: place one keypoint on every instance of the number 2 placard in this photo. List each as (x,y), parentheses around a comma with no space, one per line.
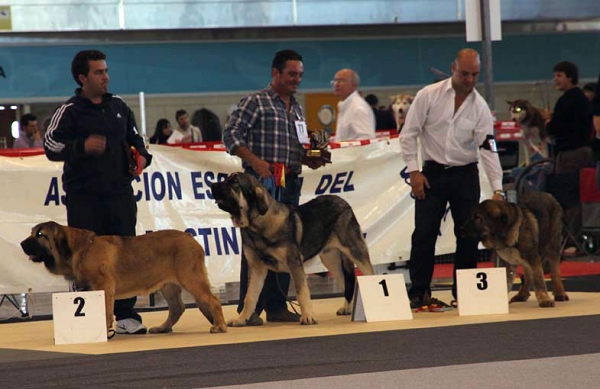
(79,317)
(482,291)
(381,298)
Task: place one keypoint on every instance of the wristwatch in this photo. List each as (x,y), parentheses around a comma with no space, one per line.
(501,193)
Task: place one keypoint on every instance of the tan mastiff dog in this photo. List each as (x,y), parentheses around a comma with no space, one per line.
(129,266)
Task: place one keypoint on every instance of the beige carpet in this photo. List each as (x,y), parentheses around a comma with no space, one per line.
(193,329)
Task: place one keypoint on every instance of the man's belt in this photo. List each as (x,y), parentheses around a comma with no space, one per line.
(434,166)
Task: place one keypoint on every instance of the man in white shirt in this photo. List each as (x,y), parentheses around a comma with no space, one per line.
(355,117)
(455,127)
(184,132)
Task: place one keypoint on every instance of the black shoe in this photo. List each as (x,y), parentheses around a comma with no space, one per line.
(417,301)
(254,320)
(283,316)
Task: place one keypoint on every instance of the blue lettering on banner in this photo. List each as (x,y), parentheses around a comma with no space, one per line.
(199,182)
(225,239)
(154,186)
(158,185)
(335,184)
(53,195)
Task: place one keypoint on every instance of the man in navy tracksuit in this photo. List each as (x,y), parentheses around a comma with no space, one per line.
(92,133)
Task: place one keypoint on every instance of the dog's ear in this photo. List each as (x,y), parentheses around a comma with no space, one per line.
(410,99)
(62,243)
(494,210)
(261,200)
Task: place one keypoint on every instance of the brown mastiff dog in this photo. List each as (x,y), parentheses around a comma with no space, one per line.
(526,234)
(129,266)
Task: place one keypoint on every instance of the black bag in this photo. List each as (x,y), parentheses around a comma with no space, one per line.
(564,187)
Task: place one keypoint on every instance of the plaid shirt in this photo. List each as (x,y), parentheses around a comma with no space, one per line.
(261,123)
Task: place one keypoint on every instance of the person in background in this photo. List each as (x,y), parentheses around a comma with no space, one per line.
(264,131)
(29,134)
(454,125)
(184,132)
(384,118)
(355,117)
(571,125)
(162,132)
(589,90)
(571,121)
(93,133)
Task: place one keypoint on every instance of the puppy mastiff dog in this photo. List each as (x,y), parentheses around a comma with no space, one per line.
(525,234)
(124,267)
(279,238)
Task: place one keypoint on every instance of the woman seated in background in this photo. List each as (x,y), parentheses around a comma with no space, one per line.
(162,132)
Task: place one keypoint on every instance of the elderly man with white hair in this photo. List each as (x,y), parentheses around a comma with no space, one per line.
(355,117)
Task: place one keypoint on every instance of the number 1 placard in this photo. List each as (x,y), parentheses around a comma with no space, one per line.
(381,298)
(79,317)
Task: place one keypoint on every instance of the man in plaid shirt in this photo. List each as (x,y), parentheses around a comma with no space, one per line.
(264,132)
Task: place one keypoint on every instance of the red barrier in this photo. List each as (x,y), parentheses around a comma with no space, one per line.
(206,146)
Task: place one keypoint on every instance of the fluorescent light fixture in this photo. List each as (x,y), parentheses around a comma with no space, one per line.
(14,129)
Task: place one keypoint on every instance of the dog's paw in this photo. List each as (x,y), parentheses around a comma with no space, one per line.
(546,303)
(160,330)
(218,329)
(308,320)
(561,297)
(343,311)
(236,323)
(519,298)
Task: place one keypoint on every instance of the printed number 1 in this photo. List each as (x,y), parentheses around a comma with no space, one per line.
(81,302)
(482,284)
(385,289)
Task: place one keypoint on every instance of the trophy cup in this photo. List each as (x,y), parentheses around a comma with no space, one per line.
(319,140)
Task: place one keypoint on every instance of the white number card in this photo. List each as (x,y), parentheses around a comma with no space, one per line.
(381,298)
(302,131)
(481,291)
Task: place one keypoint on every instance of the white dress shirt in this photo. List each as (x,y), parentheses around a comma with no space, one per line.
(178,134)
(355,120)
(446,137)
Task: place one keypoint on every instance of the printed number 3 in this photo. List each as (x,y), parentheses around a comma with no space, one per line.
(385,289)
(81,302)
(482,284)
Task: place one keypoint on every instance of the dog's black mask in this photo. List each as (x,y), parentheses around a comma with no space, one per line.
(224,197)
(37,252)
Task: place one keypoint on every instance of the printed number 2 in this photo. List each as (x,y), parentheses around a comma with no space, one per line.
(81,302)
(385,289)
(482,284)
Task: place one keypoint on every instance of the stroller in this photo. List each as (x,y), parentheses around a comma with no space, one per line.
(577,189)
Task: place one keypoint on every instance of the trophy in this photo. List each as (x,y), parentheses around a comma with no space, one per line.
(319,140)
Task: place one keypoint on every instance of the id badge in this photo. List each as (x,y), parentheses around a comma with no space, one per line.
(302,131)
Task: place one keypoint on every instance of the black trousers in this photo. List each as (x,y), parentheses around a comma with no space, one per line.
(273,297)
(458,186)
(106,215)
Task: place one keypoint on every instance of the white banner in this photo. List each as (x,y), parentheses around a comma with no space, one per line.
(174,193)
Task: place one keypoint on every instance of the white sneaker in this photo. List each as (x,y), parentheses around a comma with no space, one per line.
(130,326)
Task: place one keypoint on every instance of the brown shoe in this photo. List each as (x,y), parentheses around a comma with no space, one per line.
(283,316)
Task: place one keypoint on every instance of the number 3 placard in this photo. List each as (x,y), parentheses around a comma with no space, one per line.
(79,317)
(381,298)
(482,291)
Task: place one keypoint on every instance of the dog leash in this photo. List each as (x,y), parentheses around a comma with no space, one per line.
(276,182)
